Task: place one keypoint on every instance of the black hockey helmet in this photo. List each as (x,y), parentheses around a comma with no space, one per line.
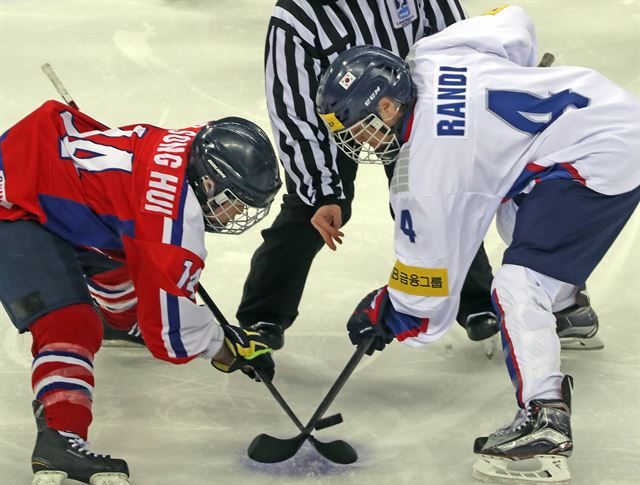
(233,171)
(348,95)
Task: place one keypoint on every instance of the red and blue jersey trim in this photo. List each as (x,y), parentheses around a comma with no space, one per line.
(404,326)
(173,305)
(538,173)
(407,126)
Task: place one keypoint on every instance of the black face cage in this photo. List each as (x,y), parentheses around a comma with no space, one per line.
(225,213)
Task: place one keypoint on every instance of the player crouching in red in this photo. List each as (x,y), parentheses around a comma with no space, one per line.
(99,223)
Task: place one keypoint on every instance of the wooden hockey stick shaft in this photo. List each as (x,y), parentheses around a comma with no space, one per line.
(55,80)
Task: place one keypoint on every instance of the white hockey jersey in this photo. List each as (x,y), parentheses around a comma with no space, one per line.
(486,125)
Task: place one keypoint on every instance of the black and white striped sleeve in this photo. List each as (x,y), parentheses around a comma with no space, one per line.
(291,76)
(442,13)
(303,37)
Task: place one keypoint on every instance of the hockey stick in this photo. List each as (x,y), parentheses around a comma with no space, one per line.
(337,451)
(55,80)
(269,449)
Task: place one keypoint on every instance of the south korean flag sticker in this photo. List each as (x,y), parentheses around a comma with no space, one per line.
(346,80)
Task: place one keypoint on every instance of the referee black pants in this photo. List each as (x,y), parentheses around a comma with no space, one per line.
(280,266)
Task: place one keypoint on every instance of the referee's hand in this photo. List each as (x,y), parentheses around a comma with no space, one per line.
(328,221)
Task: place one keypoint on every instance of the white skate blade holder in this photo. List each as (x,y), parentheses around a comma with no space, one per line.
(576,343)
(58,478)
(539,470)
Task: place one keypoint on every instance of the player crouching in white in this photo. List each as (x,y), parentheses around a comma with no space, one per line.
(474,126)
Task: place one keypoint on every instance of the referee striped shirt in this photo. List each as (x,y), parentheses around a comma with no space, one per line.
(303,37)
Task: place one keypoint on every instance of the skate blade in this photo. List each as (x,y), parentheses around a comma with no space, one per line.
(48,478)
(575,343)
(109,479)
(489,345)
(539,470)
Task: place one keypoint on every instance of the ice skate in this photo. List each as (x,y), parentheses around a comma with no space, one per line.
(113,337)
(577,326)
(58,456)
(533,449)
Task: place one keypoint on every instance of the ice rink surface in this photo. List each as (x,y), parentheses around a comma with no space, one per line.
(411,414)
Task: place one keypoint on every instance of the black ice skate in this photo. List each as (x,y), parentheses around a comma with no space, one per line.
(577,326)
(484,327)
(58,456)
(112,337)
(534,448)
(272,333)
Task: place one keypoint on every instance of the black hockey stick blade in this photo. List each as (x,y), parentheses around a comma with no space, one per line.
(269,449)
(337,451)
(328,421)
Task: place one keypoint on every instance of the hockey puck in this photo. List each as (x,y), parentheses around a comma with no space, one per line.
(329,421)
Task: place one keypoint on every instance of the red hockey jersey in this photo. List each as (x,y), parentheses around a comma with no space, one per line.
(121,192)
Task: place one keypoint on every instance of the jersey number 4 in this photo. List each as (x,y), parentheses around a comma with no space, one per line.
(529,113)
(406,225)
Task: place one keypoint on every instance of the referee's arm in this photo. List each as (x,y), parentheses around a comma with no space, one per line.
(291,77)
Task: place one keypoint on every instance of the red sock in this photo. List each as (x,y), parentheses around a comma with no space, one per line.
(64,344)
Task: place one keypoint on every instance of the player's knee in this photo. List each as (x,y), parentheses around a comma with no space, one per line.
(75,325)
(508,285)
(517,296)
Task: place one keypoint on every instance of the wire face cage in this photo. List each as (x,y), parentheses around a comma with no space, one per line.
(227,214)
(369,141)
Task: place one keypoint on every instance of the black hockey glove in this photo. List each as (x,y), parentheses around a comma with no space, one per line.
(250,353)
(367,320)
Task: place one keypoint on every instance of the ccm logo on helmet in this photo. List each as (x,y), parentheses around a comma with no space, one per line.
(372,96)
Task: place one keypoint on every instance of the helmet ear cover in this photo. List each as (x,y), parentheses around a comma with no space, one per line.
(348,98)
(232,164)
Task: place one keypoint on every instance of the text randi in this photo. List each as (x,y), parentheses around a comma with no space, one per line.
(451,98)
(162,182)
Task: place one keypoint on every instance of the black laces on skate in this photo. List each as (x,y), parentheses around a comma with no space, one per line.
(81,445)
